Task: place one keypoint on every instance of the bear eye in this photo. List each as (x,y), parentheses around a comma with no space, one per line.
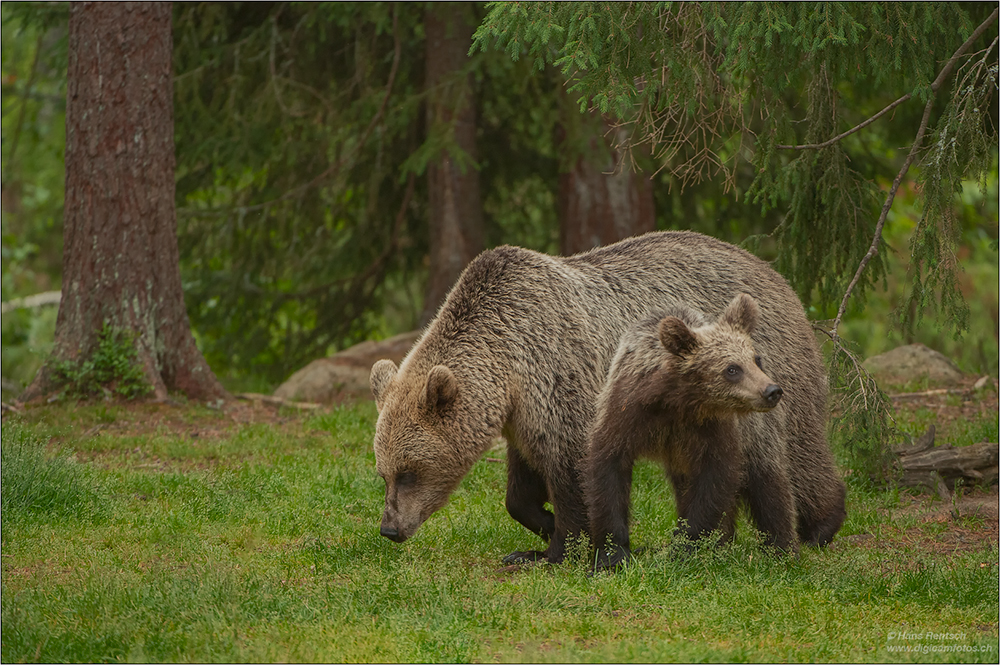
(733,373)
(756,361)
(405,479)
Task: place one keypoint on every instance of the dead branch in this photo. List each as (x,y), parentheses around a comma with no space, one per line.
(928,393)
(277,401)
(31,302)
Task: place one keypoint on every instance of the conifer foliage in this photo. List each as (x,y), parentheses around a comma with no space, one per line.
(710,85)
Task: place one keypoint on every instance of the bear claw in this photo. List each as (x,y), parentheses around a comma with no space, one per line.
(528,556)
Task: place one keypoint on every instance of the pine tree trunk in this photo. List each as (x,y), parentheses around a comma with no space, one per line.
(600,203)
(456,210)
(120,257)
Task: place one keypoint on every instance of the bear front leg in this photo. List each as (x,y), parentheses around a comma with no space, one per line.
(706,499)
(772,504)
(566,491)
(609,490)
(526,497)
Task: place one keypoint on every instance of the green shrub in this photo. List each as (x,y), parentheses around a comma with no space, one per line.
(113,366)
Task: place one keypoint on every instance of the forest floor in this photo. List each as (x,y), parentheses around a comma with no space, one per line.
(175,532)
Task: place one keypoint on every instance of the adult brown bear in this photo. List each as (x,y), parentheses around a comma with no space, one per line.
(521,347)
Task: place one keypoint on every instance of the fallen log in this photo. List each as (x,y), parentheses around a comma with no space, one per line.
(941,467)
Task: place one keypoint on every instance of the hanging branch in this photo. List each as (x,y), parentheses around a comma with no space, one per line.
(876,240)
(827,144)
(914,149)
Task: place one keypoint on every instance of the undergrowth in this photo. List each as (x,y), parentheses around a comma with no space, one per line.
(113,368)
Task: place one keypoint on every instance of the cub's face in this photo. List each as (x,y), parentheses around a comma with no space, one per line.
(416,445)
(718,363)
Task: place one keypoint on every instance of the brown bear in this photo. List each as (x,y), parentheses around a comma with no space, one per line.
(682,391)
(521,347)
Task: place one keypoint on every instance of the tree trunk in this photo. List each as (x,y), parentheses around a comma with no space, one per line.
(456,209)
(599,202)
(120,257)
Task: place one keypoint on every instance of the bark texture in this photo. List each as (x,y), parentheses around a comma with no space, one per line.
(120,256)
(600,202)
(456,209)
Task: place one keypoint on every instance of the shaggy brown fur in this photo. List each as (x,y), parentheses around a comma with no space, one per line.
(681,391)
(521,347)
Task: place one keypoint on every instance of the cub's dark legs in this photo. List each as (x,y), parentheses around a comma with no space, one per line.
(706,497)
(609,484)
(768,493)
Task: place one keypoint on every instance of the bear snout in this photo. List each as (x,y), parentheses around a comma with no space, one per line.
(392,533)
(772,395)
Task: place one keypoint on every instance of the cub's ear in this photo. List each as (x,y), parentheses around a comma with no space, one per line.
(382,373)
(676,337)
(442,388)
(742,314)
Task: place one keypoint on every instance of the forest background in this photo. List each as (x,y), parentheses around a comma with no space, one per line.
(314,144)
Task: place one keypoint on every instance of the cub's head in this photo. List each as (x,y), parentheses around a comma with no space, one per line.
(420,448)
(716,365)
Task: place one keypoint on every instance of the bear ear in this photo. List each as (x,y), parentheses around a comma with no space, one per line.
(442,388)
(742,314)
(382,373)
(676,337)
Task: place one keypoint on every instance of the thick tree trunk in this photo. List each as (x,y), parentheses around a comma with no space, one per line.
(456,209)
(599,202)
(120,257)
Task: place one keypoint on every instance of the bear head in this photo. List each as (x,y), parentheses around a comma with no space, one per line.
(714,368)
(422,450)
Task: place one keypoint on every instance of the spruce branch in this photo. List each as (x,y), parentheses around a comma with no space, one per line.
(914,149)
(941,78)
(25,96)
(336,166)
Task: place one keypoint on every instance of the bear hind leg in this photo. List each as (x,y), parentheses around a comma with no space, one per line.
(818,532)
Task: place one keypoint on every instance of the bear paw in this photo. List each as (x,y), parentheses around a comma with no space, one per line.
(612,558)
(528,556)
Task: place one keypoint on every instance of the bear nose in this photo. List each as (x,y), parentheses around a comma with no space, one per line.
(391,533)
(772,394)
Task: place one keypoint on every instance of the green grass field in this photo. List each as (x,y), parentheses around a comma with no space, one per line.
(166,533)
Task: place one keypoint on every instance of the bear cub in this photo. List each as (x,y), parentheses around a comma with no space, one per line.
(684,391)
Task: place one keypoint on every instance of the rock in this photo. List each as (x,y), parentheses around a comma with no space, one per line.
(912,363)
(343,377)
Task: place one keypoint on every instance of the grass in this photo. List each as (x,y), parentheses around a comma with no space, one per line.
(156,533)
